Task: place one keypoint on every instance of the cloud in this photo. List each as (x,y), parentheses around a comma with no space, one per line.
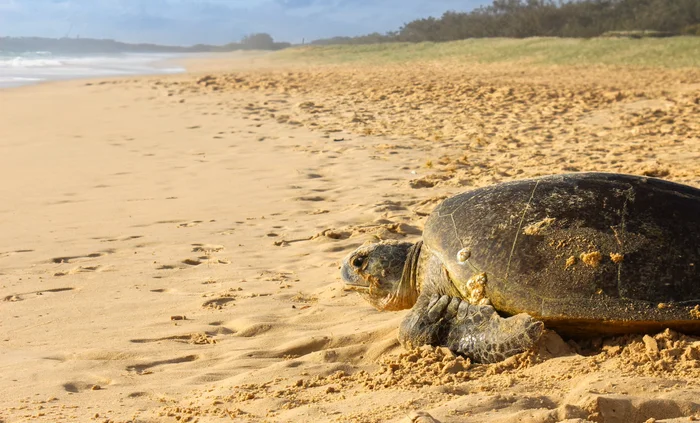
(292,4)
(213,21)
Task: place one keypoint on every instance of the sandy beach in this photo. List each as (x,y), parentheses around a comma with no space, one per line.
(170,244)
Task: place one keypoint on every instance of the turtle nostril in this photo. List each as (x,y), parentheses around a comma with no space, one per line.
(358,261)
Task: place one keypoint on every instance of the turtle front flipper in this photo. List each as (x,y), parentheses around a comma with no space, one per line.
(476,331)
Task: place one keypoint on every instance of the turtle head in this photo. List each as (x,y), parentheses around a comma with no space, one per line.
(376,271)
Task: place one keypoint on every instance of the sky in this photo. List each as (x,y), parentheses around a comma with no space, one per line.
(187,22)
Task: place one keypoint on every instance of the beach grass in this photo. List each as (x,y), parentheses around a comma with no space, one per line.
(672,52)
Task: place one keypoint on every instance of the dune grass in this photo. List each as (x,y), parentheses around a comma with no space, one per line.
(673,52)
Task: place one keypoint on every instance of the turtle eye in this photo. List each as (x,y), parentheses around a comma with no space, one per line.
(358,261)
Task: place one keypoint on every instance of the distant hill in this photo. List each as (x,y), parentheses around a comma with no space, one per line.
(97,46)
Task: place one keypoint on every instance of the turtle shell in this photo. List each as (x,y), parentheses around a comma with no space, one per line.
(584,252)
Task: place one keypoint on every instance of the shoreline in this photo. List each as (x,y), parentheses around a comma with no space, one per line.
(69,68)
(176,64)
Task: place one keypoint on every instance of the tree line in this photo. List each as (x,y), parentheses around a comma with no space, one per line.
(259,41)
(547,18)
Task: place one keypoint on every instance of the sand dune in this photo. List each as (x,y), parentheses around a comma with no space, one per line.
(171,245)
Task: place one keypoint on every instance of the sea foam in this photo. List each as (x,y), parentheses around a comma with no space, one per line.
(32,67)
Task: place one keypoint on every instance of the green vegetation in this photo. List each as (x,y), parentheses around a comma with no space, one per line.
(547,18)
(258,41)
(671,52)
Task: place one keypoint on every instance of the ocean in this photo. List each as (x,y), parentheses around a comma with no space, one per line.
(33,67)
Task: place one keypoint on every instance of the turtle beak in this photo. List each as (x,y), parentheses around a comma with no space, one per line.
(351,277)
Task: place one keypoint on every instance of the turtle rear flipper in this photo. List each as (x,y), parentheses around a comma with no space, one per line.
(476,331)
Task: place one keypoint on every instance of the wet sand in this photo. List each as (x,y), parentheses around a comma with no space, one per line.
(171,244)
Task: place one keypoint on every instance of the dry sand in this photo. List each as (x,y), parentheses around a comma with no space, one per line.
(170,245)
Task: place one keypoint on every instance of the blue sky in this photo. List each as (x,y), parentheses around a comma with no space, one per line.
(214,21)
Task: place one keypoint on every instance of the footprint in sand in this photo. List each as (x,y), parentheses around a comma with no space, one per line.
(220,329)
(100,355)
(33,294)
(190,338)
(12,253)
(168,267)
(313,198)
(226,232)
(190,224)
(192,262)
(207,249)
(296,348)
(71,259)
(205,259)
(118,239)
(428,181)
(218,303)
(84,269)
(138,394)
(388,205)
(79,386)
(254,330)
(54,203)
(144,368)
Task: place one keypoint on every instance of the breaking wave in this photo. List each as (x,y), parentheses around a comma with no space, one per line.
(25,68)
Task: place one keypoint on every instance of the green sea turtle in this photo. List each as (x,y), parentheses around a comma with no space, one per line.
(584,254)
